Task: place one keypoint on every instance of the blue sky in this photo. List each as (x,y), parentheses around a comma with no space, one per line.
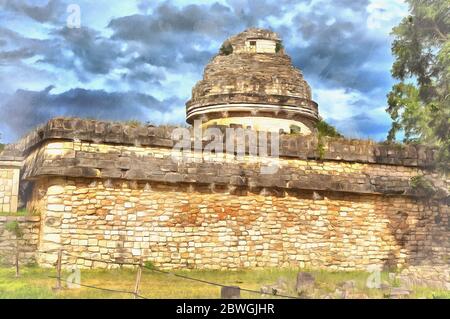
(140,59)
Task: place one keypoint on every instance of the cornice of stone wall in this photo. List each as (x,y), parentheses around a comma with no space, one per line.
(91,149)
(291,146)
(11,156)
(138,164)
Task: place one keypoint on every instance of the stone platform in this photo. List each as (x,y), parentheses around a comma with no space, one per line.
(114,193)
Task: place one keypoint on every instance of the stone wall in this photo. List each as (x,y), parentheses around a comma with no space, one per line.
(188,226)
(161,164)
(28,243)
(9,184)
(113,192)
(291,146)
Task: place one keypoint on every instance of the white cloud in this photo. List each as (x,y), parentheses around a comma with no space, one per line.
(384,14)
(337,103)
(354,114)
(178,84)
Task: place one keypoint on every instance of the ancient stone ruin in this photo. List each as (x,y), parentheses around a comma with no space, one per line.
(253,84)
(107,193)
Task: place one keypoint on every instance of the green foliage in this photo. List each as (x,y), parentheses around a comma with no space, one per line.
(32,264)
(397,145)
(320,148)
(226,48)
(149,265)
(279,47)
(421,184)
(20,212)
(325,129)
(134,123)
(419,104)
(3,261)
(443,295)
(14,227)
(2,147)
(295,129)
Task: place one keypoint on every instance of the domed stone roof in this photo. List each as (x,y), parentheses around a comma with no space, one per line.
(252,76)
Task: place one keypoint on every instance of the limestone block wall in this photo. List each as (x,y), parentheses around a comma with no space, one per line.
(9,188)
(188,226)
(161,164)
(28,243)
(116,193)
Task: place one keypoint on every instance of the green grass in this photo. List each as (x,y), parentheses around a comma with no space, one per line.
(35,283)
(20,212)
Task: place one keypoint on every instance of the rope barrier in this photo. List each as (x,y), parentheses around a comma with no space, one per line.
(100,288)
(220,285)
(173,274)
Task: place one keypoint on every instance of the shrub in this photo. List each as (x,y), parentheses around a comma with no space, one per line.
(325,129)
(422,185)
(394,144)
(149,265)
(279,47)
(295,129)
(13,227)
(133,123)
(226,49)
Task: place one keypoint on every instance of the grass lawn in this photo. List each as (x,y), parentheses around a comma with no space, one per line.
(20,212)
(35,283)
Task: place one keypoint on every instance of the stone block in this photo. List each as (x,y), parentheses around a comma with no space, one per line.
(55,207)
(55,190)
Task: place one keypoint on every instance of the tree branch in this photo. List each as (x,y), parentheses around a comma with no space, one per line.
(436,28)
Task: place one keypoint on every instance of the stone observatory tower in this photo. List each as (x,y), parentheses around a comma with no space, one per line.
(252,82)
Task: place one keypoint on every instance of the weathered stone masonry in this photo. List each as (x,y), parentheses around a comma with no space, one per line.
(177,227)
(9,181)
(112,192)
(28,242)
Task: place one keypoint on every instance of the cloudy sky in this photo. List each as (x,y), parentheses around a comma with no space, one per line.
(140,59)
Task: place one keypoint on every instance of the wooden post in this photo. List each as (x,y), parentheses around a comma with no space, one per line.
(58,270)
(17,258)
(138,281)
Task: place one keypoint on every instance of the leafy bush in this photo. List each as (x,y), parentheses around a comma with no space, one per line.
(395,144)
(421,184)
(149,265)
(133,123)
(295,129)
(325,129)
(278,47)
(14,227)
(226,49)
(320,148)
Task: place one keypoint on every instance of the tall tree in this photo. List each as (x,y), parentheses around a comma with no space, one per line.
(419,104)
